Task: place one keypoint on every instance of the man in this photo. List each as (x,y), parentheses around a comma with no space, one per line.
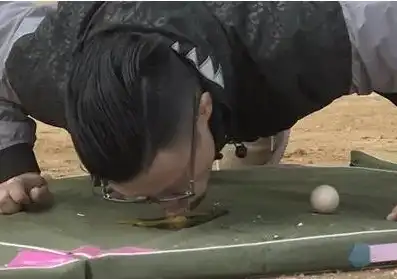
(151,91)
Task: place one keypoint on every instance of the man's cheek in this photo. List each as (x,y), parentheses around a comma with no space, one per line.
(197,201)
(201,187)
(121,191)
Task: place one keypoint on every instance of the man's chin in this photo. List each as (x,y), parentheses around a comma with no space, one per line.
(196,201)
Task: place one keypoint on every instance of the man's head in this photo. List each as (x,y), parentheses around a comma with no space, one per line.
(130,113)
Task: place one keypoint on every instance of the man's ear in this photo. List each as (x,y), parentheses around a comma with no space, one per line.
(205,107)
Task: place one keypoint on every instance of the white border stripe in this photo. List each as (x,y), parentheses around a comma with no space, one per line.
(280,241)
(243,245)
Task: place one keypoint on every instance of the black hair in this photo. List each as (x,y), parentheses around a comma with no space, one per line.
(128,97)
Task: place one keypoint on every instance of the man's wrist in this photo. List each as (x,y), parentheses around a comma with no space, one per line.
(16,160)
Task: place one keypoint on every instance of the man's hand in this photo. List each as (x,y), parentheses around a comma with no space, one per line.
(392,215)
(24,192)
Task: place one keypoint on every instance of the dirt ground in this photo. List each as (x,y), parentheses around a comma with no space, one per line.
(353,122)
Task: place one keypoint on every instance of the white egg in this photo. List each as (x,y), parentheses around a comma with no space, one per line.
(324,199)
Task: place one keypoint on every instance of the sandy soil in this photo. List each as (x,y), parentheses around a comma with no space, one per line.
(353,122)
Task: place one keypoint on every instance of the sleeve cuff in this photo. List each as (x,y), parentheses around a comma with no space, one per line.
(16,160)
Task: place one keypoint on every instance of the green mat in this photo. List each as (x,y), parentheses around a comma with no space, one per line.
(376,159)
(270,229)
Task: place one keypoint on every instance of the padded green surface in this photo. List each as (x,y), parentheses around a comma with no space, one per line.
(377,159)
(263,202)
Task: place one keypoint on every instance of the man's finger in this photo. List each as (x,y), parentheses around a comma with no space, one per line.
(28,180)
(41,199)
(393,215)
(18,193)
(41,195)
(7,204)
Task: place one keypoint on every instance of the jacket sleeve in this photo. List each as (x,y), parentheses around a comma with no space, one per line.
(303,50)
(17,136)
(371,26)
(17,130)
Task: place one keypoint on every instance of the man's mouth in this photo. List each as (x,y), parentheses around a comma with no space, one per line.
(182,207)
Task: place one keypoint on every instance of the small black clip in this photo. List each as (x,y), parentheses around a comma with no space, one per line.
(241,150)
